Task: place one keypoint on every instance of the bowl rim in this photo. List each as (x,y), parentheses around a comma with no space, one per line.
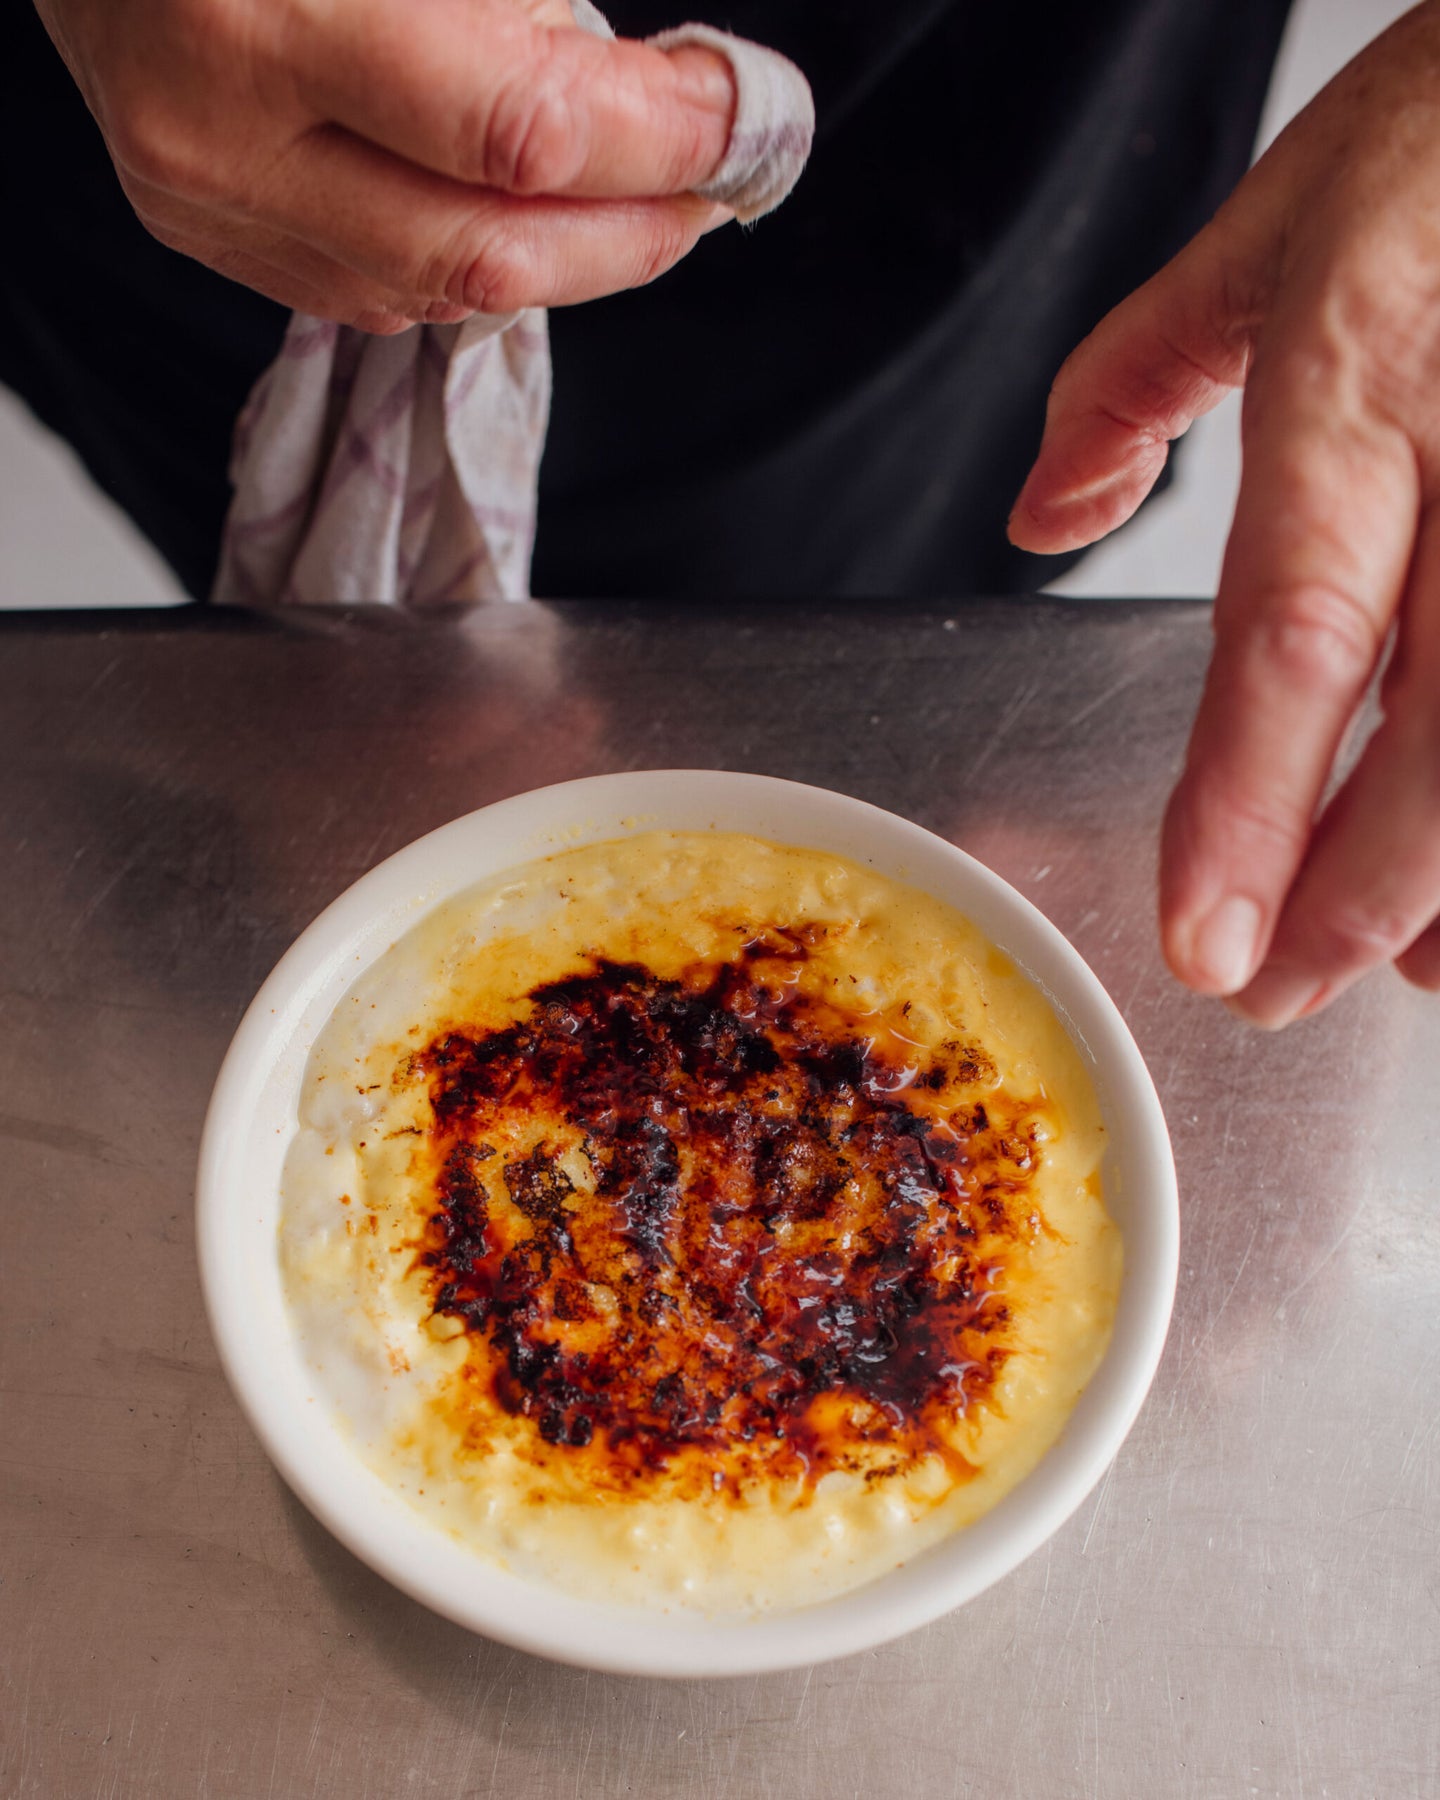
(263,1067)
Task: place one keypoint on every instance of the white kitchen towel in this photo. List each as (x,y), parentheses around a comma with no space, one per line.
(403,470)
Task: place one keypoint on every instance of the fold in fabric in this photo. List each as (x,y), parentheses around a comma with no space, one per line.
(403,470)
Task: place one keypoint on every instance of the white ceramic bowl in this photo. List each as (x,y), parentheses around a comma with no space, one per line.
(252,1118)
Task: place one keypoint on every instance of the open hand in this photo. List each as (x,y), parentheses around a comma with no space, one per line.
(381,163)
(1317,287)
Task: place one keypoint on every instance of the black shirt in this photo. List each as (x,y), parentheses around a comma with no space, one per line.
(843,399)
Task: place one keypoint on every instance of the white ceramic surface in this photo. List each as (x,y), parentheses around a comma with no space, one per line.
(252,1118)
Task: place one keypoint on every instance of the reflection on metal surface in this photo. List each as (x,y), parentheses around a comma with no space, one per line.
(1250,1602)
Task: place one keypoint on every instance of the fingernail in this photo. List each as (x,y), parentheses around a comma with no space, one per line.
(1276,997)
(1226,944)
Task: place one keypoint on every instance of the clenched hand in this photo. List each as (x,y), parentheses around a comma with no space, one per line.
(380,163)
(1317,287)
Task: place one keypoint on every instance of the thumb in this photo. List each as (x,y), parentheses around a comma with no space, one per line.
(1164,356)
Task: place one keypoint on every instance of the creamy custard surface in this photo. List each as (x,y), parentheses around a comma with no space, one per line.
(690,1221)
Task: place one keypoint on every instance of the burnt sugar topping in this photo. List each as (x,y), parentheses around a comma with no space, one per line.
(724,1229)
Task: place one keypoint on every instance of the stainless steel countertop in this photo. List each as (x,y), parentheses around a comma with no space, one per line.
(1250,1602)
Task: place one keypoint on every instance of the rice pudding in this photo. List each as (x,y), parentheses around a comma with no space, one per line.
(691,1221)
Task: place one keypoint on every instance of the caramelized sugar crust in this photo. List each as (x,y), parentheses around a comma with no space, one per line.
(715,1230)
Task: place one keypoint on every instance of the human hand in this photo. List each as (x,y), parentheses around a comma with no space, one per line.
(380,163)
(1317,288)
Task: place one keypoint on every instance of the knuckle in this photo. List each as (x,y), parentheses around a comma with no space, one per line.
(1318,362)
(1317,638)
(382,323)
(496,278)
(1243,824)
(1202,352)
(1261,823)
(158,148)
(668,242)
(1357,934)
(528,141)
(1298,421)
(140,142)
(692,152)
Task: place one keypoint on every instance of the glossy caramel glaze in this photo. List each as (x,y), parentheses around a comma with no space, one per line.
(715,1229)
